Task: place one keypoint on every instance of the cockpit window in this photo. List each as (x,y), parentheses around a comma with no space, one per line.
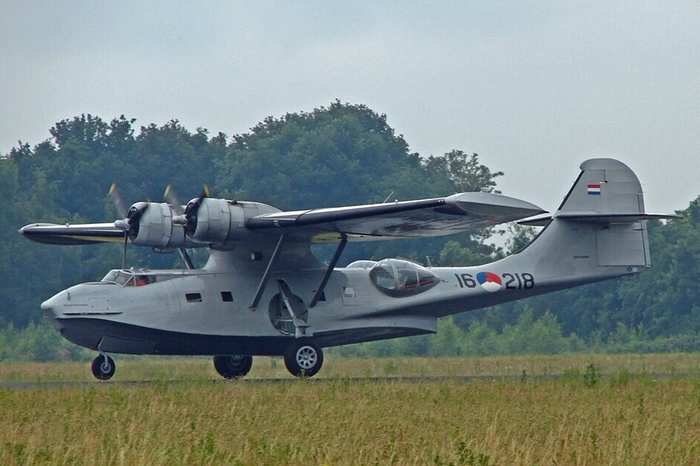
(120,277)
(128,278)
(400,278)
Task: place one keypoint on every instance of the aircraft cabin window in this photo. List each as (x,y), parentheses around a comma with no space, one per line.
(399,278)
(226,296)
(193,297)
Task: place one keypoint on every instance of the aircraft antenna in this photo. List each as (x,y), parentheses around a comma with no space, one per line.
(387,198)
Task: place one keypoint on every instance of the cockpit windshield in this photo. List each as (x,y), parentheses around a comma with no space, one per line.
(399,278)
(128,278)
(120,277)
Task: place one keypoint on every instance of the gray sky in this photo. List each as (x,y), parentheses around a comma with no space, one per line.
(534,87)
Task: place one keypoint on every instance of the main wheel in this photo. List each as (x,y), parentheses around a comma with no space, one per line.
(303,358)
(103,367)
(232,367)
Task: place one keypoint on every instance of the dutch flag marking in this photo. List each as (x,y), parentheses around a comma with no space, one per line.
(594,189)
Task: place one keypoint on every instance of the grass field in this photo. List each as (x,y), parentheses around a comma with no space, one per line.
(600,410)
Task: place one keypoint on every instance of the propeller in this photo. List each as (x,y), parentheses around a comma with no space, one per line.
(130,221)
(188,218)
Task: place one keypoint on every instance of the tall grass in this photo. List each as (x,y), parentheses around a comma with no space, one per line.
(625,417)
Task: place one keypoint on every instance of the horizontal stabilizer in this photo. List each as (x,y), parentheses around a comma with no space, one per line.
(594,217)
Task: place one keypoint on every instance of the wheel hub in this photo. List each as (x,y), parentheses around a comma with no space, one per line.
(306,357)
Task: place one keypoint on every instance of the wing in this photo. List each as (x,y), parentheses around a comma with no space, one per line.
(408,219)
(89,233)
(220,223)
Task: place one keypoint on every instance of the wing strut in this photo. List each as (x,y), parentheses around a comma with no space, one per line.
(186,258)
(266,275)
(329,270)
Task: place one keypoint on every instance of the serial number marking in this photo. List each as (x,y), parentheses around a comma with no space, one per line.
(493,282)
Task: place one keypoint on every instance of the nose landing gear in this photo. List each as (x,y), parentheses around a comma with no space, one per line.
(103,367)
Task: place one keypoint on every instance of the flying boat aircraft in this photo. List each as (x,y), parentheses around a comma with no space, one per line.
(262,291)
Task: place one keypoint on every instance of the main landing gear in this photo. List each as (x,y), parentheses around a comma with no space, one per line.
(233,367)
(303,358)
(103,367)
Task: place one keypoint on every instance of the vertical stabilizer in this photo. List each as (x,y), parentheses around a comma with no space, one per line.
(605,186)
(599,230)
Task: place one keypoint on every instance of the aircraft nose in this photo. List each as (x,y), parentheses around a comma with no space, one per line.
(49,306)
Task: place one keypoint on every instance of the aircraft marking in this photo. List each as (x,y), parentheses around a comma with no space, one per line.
(594,189)
(493,282)
(489,281)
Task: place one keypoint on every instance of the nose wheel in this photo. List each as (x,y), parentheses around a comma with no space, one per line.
(103,367)
(303,358)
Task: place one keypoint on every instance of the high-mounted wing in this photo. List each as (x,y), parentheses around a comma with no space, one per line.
(407,219)
(222,223)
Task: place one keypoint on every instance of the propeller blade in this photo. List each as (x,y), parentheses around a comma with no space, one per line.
(171,198)
(116,198)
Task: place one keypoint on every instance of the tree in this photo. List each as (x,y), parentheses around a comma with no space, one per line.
(340,155)
(459,172)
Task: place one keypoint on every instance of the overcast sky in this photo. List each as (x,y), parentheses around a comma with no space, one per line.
(535,88)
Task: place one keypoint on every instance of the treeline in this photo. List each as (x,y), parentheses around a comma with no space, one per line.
(337,155)
(527,336)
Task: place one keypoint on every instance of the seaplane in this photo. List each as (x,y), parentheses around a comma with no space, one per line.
(262,292)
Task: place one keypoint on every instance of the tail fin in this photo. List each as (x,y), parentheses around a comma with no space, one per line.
(599,230)
(605,186)
(608,194)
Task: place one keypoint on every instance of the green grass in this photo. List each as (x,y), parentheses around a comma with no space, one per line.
(601,410)
(201,368)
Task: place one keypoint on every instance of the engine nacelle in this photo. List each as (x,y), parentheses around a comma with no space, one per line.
(155,228)
(220,222)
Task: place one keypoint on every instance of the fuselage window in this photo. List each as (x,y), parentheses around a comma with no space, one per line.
(400,278)
(226,296)
(193,297)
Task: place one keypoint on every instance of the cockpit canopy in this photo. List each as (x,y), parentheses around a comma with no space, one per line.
(400,278)
(126,277)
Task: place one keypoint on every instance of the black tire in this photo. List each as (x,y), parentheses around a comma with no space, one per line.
(103,367)
(303,358)
(233,367)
